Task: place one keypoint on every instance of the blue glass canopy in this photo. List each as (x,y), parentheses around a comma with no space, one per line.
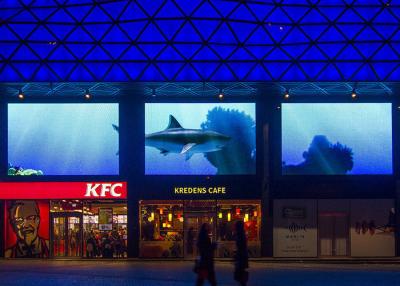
(198,40)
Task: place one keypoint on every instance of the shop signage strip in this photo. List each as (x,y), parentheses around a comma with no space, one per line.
(62,190)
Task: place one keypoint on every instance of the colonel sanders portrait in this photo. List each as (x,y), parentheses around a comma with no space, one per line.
(24,217)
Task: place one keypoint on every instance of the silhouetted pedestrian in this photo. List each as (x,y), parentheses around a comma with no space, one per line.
(241,256)
(205,262)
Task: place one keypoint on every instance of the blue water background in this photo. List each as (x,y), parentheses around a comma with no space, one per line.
(190,116)
(364,127)
(64,139)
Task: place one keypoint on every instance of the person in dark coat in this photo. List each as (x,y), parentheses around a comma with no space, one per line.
(205,265)
(241,256)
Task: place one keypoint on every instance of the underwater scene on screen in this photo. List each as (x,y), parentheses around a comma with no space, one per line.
(63,139)
(336,139)
(200,138)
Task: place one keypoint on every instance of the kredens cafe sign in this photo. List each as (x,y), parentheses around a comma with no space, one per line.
(200,190)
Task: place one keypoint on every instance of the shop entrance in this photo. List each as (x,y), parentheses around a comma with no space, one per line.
(333,234)
(66,234)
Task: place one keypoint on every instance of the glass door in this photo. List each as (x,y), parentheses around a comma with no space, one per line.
(66,235)
(193,223)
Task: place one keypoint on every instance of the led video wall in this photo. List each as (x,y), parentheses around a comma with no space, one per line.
(63,139)
(200,138)
(336,139)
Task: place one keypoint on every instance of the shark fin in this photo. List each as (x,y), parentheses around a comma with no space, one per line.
(188,156)
(187,147)
(173,123)
(116,128)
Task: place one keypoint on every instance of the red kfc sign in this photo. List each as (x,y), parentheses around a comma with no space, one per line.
(62,190)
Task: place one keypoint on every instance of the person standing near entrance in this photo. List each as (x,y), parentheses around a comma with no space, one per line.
(241,256)
(205,263)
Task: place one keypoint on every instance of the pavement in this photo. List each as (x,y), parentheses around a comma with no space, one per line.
(179,273)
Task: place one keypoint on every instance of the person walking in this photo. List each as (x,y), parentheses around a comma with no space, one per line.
(205,263)
(241,256)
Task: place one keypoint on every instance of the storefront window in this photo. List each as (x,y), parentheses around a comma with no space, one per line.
(161,229)
(228,213)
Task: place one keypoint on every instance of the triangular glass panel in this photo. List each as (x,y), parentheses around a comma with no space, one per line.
(169,10)
(61,17)
(133,29)
(114,8)
(170,70)
(187,50)
(369,12)
(150,7)
(259,51)
(241,54)
(169,27)
(97,54)
(260,36)
(386,17)
(278,16)
(206,69)
(9,74)
(277,69)
(46,74)
(243,69)
(188,34)
(6,34)
(348,69)
(97,30)
(134,54)
(394,75)
(80,50)
(349,53)
(330,73)
(258,73)
(395,10)
(206,11)
(295,36)
(79,12)
(63,70)
(23,30)
(188,6)
(332,35)
(223,35)
(61,31)
(42,34)
(151,34)
(97,15)
(350,30)
(314,54)
(98,69)
(152,50)
(332,49)
(223,73)
(116,35)
(115,49)
(279,32)
(79,35)
(332,12)
(368,35)
(133,12)
(386,31)
(366,73)
(27,70)
(152,73)
(224,51)
(314,17)
(24,16)
(206,27)
(314,31)
(24,53)
(242,13)
(384,70)
(294,73)
(260,10)
(206,54)
(386,53)
(243,30)
(295,50)
(350,17)
(134,70)
(225,7)
(277,55)
(61,53)
(188,74)
(296,12)
(368,49)
(116,74)
(7,49)
(313,69)
(170,54)
(80,73)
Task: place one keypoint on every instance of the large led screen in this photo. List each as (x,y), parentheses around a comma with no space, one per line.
(336,139)
(200,138)
(63,139)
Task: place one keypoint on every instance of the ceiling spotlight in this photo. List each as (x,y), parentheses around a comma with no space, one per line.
(87,94)
(21,94)
(353,94)
(153,92)
(221,95)
(286,95)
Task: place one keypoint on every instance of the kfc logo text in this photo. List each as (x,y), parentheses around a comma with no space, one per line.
(101,190)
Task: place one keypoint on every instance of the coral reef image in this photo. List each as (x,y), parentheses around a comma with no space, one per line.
(63,139)
(200,139)
(336,139)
